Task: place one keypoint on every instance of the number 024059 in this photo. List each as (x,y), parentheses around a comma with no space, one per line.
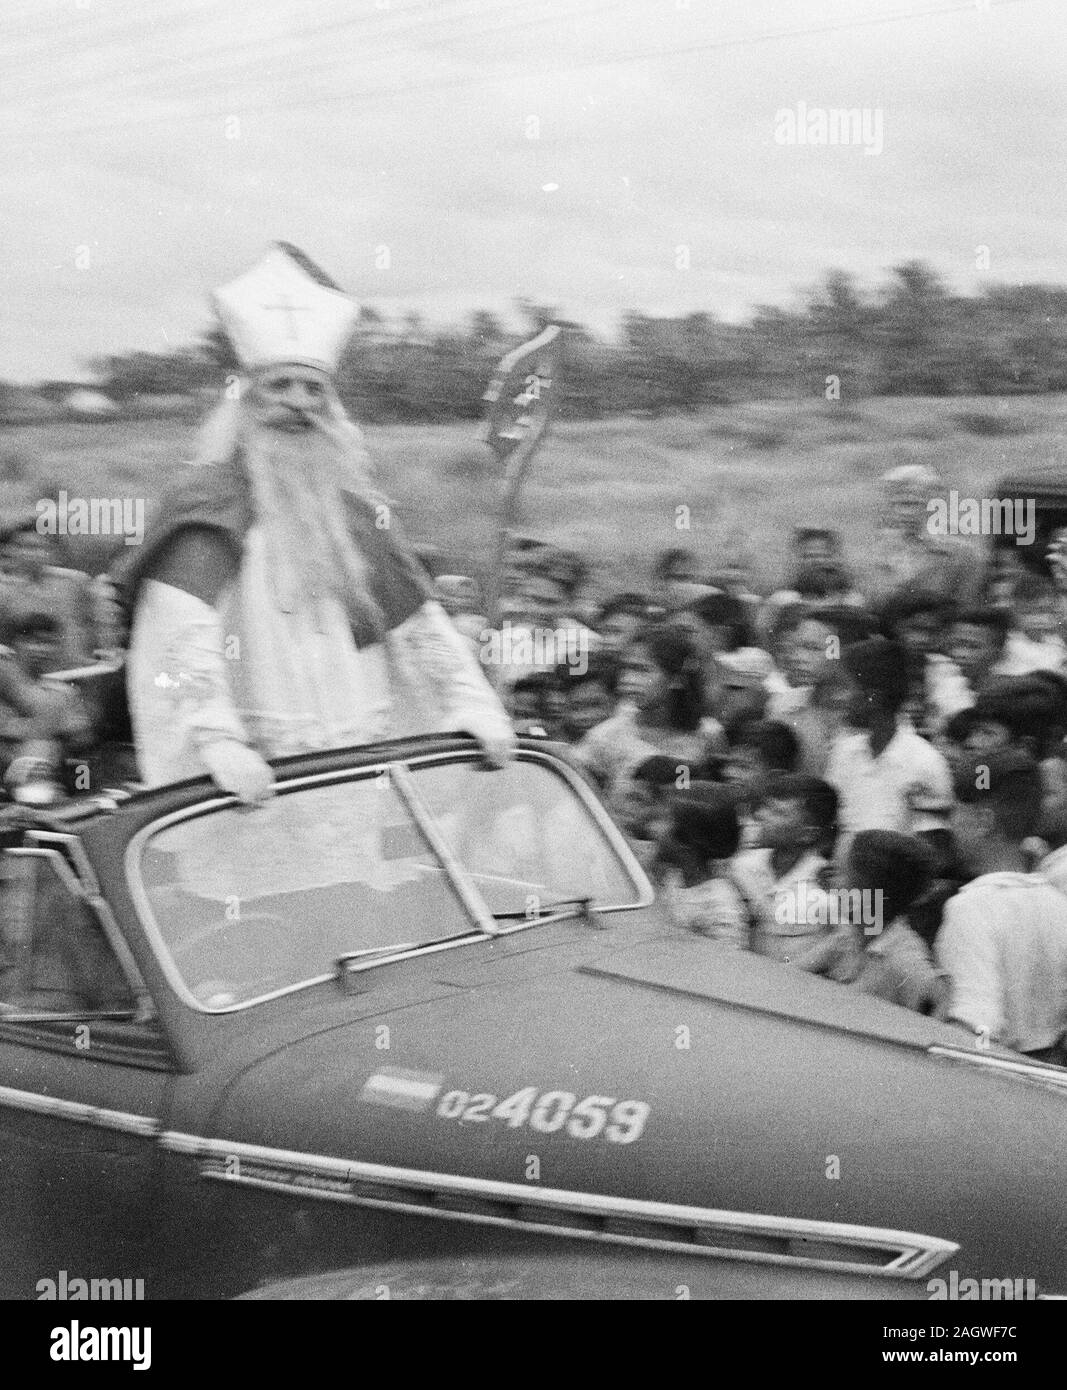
(549,1112)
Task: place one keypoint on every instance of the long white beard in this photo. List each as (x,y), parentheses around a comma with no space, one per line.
(298,481)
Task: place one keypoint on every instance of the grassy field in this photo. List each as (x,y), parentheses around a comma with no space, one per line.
(748,473)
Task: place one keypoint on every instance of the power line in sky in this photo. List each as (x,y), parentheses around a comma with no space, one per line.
(280,47)
(334,67)
(393,93)
(43,38)
(500,26)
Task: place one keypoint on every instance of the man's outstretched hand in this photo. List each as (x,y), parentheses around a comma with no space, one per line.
(494,733)
(236,768)
(497,751)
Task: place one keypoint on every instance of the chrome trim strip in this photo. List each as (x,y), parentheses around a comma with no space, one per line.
(74,848)
(336,1179)
(558,766)
(1044,1074)
(146,1009)
(58,1109)
(64,872)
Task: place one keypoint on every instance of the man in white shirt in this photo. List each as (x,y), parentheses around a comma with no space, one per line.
(888,778)
(1003,941)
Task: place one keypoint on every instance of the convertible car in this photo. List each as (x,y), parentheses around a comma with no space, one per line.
(418,1028)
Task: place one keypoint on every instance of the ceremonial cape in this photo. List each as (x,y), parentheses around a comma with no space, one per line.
(218,496)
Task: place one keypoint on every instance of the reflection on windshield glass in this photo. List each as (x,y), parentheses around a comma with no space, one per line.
(522,834)
(252,902)
(303,841)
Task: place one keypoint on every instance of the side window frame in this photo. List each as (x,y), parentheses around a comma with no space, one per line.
(46,857)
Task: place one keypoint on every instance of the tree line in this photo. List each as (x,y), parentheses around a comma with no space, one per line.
(908,336)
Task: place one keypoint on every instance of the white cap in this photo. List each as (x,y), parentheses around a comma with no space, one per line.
(914,479)
(279,313)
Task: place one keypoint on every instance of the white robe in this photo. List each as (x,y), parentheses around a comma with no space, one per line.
(249,671)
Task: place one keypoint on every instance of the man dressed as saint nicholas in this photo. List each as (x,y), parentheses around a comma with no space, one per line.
(276,609)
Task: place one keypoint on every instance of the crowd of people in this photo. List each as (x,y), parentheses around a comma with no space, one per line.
(862,775)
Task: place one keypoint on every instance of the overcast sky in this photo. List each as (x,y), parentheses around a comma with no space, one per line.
(598,155)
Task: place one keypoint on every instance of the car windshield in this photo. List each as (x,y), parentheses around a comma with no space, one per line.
(523,836)
(251,903)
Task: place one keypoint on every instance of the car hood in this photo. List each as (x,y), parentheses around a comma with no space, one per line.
(767,1091)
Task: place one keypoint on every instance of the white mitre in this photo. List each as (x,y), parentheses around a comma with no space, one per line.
(286,310)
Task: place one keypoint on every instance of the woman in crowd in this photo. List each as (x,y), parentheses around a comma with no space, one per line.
(660,710)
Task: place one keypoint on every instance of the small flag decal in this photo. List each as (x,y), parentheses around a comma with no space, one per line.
(402,1089)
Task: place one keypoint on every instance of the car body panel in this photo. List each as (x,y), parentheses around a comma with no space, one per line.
(779,1135)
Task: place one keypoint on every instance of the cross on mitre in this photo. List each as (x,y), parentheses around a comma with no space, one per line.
(285,310)
(289,307)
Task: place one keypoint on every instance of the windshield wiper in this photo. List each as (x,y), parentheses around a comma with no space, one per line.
(353,962)
(558,909)
(582,907)
(377,951)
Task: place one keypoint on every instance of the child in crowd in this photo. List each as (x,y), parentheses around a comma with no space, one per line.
(528,703)
(782,879)
(759,748)
(1037,637)
(976,654)
(715,623)
(734,576)
(1029,712)
(809,640)
(927,911)
(918,621)
(809,545)
(41,720)
(800,644)
(644,806)
(1026,712)
(695,854)
(827,585)
(888,778)
(619,620)
(661,710)
(820,723)
(674,574)
(589,697)
(741,685)
(875,951)
(31,581)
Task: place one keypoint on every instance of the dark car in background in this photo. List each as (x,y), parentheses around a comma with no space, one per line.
(1044,487)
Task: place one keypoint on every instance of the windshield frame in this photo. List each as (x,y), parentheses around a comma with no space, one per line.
(403,773)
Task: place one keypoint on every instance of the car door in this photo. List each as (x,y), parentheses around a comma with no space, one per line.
(84,1073)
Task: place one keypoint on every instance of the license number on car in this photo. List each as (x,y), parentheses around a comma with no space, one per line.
(550,1112)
